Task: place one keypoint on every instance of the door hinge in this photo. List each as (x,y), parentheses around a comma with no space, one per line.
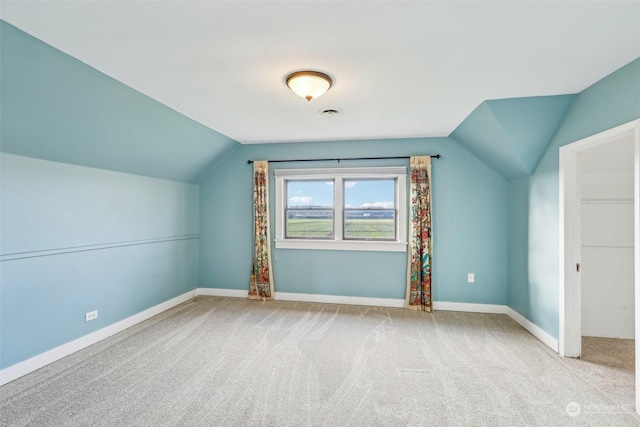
(577,267)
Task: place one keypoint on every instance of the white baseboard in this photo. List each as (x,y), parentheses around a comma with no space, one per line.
(338,299)
(470,307)
(219,292)
(318,298)
(43,359)
(351,300)
(535,330)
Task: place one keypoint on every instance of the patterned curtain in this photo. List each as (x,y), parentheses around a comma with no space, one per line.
(261,286)
(420,249)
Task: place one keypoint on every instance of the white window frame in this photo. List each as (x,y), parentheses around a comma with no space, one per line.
(398,173)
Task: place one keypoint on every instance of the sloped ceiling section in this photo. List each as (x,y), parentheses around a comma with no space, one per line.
(511,135)
(57,108)
(401,69)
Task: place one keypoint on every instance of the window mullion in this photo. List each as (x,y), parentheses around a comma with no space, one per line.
(401,207)
(338,205)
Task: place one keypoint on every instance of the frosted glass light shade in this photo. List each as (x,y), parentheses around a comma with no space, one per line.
(309,84)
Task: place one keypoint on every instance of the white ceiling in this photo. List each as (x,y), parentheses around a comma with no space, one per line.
(401,69)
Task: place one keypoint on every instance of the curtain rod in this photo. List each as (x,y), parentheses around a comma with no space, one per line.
(436,156)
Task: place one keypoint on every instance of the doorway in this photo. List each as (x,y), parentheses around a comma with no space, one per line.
(572,200)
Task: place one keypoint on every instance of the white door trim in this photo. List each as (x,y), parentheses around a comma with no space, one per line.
(570,293)
(569,336)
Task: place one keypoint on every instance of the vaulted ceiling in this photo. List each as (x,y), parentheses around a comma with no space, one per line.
(510,135)
(401,69)
(497,77)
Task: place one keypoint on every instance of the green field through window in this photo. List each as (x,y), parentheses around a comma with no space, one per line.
(369,228)
(354,228)
(310,227)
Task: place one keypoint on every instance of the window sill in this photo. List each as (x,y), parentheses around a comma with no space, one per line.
(342,245)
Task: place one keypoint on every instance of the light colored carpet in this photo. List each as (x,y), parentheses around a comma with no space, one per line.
(233,362)
(615,353)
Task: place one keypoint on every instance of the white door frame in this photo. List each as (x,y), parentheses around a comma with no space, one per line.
(570,290)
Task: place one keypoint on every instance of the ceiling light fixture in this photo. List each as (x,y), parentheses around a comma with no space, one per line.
(309,84)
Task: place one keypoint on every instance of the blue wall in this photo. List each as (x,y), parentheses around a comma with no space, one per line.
(470,226)
(77,239)
(519,245)
(534,286)
(55,107)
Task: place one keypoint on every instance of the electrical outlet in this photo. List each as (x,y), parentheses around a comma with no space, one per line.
(92,315)
(471,278)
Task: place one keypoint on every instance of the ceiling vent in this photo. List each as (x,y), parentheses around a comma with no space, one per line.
(330,111)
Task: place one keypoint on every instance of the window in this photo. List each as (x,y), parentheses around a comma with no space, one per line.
(341,209)
(309,209)
(369,209)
